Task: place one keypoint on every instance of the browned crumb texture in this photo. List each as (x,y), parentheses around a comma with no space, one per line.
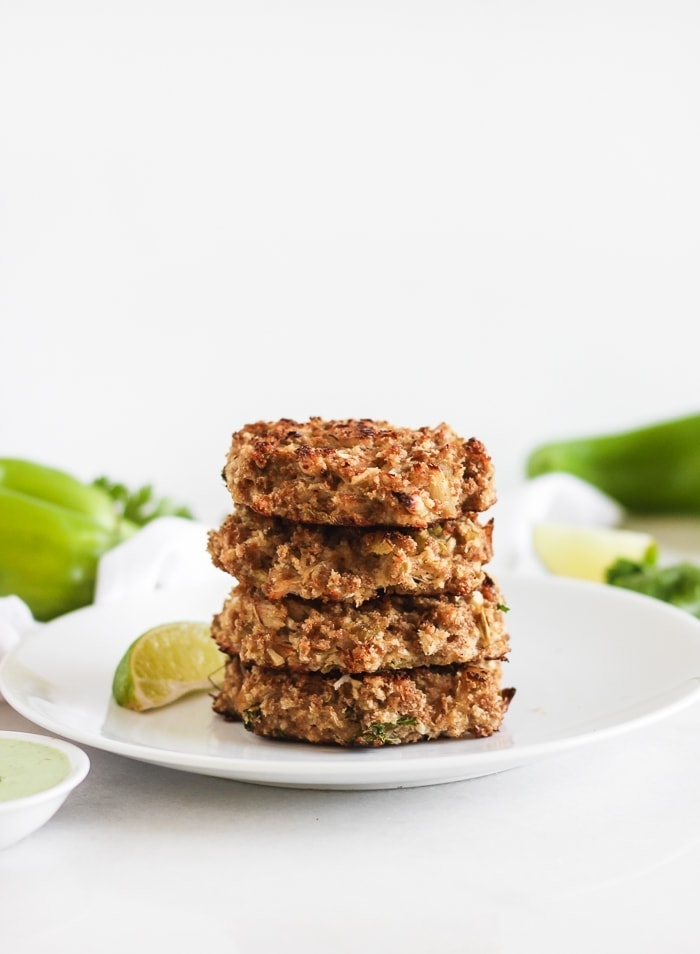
(390,632)
(358,472)
(386,708)
(315,561)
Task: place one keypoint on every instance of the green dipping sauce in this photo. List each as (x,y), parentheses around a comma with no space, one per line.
(29,767)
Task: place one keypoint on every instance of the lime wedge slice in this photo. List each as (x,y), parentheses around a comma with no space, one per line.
(585,553)
(165,663)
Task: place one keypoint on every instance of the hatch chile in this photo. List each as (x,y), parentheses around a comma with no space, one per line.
(54,529)
(653,469)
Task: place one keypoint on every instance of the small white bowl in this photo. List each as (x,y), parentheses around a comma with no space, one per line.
(23,815)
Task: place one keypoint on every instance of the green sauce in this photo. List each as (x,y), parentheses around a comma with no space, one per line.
(28,767)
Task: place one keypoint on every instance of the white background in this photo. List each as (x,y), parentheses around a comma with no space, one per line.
(213,213)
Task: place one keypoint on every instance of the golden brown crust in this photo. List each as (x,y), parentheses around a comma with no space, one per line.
(327,562)
(389,632)
(385,708)
(358,472)
(363,614)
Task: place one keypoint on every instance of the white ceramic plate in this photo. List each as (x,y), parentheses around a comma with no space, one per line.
(588,661)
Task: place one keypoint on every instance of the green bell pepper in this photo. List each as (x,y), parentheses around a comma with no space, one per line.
(53,531)
(654,469)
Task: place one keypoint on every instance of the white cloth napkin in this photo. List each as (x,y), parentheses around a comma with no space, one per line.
(551,498)
(168,552)
(172,551)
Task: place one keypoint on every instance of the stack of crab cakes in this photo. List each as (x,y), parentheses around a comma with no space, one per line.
(362,613)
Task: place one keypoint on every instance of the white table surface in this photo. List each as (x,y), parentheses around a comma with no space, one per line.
(219,212)
(594,850)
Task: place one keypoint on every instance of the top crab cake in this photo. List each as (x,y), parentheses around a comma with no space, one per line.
(358,472)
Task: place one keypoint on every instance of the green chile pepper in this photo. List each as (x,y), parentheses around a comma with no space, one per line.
(53,531)
(654,469)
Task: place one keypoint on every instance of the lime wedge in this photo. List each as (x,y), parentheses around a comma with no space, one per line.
(585,553)
(165,663)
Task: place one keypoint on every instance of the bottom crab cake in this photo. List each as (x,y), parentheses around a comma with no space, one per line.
(389,632)
(369,709)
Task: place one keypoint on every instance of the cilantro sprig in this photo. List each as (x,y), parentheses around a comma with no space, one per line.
(141,506)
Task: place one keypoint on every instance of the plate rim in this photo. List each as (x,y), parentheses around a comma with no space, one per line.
(373,771)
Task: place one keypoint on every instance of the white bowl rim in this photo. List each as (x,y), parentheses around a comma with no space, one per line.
(79,767)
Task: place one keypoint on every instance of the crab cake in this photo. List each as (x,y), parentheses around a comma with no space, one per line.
(314,561)
(376,709)
(358,472)
(389,632)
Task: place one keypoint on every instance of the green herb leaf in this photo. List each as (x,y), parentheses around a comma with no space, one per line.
(141,506)
(678,585)
(384,733)
(250,717)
